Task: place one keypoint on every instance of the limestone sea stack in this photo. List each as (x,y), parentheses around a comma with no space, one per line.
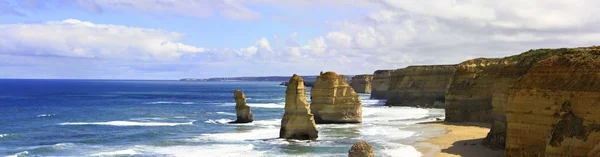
(297,121)
(243,112)
(554,109)
(380,84)
(361,83)
(423,86)
(361,149)
(334,101)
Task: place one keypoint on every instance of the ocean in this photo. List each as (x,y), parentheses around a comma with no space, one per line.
(180,118)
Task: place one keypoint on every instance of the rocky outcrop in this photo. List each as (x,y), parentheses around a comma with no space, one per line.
(297,121)
(553,109)
(380,84)
(420,85)
(361,83)
(469,96)
(361,149)
(243,112)
(334,101)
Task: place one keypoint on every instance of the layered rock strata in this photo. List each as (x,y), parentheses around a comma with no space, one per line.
(297,121)
(243,112)
(508,71)
(469,95)
(423,86)
(380,84)
(334,101)
(553,110)
(361,83)
(361,149)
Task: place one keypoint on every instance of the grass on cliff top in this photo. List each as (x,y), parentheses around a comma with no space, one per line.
(540,54)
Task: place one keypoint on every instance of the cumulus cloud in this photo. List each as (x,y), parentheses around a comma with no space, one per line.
(74,38)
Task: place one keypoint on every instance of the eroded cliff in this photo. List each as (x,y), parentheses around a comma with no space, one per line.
(553,110)
(469,95)
(420,85)
(334,101)
(380,84)
(361,83)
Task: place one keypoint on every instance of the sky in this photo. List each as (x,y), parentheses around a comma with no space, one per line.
(173,39)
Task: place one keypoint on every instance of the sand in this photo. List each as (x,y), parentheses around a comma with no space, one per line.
(461,140)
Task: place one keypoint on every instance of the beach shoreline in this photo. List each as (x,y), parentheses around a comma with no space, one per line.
(460,139)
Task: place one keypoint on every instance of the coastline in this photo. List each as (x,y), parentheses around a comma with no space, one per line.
(460,139)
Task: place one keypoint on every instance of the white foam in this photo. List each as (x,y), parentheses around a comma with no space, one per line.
(127,123)
(386,114)
(170,102)
(119,152)
(220,150)
(19,154)
(254,134)
(226,113)
(45,115)
(390,132)
(5,135)
(218,121)
(267,105)
(395,149)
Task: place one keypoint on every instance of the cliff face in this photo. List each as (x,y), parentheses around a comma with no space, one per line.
(469,96)
(243,112)
(297,121)
(361,83)
(553,110)
(380,84)
(509,70)
(420,85)
(334,101)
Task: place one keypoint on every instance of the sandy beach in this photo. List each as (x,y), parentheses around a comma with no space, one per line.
(461,140)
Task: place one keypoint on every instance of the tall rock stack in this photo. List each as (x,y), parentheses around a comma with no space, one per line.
(243,112)
(380,84)
(361,83)
(297,121)
(334,101)
(423,86)
(361,149)
(554,109)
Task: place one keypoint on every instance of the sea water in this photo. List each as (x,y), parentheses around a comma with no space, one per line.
(176,118)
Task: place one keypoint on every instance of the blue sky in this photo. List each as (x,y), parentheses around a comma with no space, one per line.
(171,39)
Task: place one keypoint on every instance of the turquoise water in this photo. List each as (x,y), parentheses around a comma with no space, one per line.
(174,118)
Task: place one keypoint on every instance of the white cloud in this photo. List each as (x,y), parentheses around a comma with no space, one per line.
(74,38)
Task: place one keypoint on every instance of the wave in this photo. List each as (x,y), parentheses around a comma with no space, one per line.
(218,121)
(19,154)
(220,150)
(5,135)
(227,113)
(45,115)
(258,105)
(254,134)
(127,123)
(171,102)
(393,149)
(267,105)
(115,153)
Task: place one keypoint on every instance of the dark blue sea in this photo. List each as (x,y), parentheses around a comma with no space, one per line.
(178,118)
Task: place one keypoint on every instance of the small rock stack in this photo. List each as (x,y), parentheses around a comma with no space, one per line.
(243,112)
